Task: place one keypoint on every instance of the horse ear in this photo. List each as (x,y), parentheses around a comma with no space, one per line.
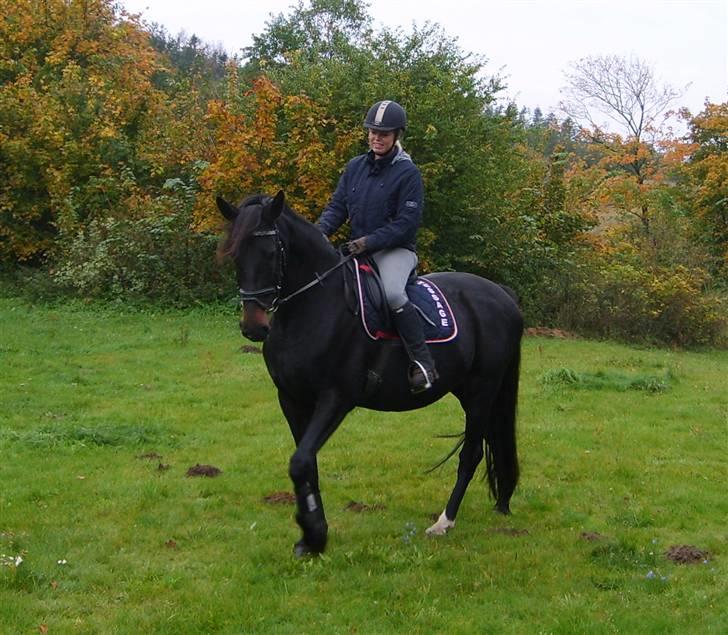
(227,210)
(274,210)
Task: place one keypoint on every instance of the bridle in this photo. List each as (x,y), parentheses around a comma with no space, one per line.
(255,296)
(280,268)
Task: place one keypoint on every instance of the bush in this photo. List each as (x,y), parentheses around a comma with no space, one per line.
(629,302)
(158,257)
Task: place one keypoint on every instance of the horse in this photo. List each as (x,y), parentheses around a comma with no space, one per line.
(291,282)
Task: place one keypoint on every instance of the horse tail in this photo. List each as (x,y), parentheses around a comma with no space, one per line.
(501,456)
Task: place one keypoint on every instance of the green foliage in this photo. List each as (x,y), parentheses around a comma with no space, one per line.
(463,149)
(157,257)
(613,236)
(625,301)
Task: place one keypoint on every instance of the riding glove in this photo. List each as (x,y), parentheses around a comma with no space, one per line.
(358,246)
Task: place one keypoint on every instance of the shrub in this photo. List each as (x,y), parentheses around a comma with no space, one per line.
(630,302)
(158,256)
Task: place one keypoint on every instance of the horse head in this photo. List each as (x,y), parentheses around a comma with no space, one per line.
(256,248)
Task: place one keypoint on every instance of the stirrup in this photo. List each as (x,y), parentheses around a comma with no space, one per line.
(420,378)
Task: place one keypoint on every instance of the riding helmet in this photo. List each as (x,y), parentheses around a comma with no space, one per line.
(386,116)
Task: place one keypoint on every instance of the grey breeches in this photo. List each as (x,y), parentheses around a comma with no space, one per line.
(395,266)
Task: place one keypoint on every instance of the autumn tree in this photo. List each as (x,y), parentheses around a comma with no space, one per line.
(249,156)
(646,276)
(706,175)
(76,96)
(626,92)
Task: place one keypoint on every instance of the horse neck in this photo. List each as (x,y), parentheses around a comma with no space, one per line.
(308,254)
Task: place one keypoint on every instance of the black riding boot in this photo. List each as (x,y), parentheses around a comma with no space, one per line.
(422,372)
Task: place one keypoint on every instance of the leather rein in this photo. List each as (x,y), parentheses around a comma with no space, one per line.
(278,301)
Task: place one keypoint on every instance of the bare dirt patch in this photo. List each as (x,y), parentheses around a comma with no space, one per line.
(686,554)
(204,470)
(150,456)
(247,348)
(591,536)
(354,506)
(280,498)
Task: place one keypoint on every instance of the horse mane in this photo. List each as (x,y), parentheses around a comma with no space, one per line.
(309,235)
(249,220)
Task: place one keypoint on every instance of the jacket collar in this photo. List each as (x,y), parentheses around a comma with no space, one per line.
(377,165)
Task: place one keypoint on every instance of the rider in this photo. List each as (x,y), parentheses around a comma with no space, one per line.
(381,194)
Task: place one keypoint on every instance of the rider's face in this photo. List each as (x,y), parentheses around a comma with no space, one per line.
(381,143)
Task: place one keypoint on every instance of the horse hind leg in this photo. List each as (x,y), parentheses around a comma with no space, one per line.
(470,456)
(490,411)
(476,400)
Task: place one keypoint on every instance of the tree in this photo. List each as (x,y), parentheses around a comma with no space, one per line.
(627,92)
(623,89)
(456,142)
(317,29)
(76,94)
(706,173)
(249,156)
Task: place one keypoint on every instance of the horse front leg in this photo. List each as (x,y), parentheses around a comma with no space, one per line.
(328,413)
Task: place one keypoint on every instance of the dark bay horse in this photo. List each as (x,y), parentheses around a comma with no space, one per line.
(320,358)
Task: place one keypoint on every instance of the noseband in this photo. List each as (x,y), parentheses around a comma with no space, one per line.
(275,290)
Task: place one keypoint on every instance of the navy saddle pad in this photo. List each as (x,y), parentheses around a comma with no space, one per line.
(438,319)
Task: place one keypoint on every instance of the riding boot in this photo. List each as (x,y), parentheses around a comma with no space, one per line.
(422,372)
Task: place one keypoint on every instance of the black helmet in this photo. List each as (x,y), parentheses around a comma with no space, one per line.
(386,116)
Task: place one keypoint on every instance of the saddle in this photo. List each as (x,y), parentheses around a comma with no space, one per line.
(366,298)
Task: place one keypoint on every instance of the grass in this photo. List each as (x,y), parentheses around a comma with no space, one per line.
(104,411)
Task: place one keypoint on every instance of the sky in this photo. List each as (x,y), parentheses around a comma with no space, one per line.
(529,43)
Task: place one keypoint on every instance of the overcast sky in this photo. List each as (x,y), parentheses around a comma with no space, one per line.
(529,42)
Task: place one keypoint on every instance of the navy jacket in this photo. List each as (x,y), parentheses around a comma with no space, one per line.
(382,199)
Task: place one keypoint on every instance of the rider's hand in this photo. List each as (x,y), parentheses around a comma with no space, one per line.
(358,246)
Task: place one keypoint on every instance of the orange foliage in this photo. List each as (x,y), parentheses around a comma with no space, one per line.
(267,141)
(76,78)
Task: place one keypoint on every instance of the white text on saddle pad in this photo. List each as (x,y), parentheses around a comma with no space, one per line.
(444,321)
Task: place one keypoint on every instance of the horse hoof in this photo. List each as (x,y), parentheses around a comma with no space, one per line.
(503,508)
(441,527)
(302,550)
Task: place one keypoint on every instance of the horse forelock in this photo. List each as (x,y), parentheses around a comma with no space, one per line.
(246,222)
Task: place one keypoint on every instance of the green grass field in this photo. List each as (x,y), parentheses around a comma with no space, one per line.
(623,455)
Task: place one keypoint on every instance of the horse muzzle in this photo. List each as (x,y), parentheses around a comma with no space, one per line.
(255,324)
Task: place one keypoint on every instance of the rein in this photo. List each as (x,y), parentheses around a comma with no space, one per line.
(318,280)
(254,296)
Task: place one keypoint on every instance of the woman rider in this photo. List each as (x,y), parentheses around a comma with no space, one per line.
(381,194)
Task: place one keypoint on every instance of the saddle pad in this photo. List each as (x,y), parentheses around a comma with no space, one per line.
(438,319)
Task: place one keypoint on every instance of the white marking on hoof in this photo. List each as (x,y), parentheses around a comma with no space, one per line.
(440,528)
